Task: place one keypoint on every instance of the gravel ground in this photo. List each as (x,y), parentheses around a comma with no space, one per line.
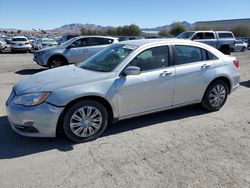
(186,147)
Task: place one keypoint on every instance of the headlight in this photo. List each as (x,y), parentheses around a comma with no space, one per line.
(31,99)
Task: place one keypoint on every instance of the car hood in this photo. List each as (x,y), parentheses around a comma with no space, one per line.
(62,77)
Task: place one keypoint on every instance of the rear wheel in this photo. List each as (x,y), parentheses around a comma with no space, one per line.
(225,50)
(56,62)
(85,121)
(243,49)
(215,96)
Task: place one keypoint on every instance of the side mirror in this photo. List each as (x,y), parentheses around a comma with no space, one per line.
(71,46)
(132,70)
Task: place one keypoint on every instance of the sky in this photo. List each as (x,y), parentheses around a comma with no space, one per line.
(50,14)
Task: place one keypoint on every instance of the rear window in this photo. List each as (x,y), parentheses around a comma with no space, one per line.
(189,54)
(225,35)
(19,39)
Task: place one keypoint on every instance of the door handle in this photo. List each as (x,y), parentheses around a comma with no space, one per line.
(205,66)
(166,73)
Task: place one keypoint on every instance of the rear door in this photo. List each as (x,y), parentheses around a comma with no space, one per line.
(195,69)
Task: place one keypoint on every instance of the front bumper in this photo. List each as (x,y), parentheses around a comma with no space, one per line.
(36,121)
(39,59)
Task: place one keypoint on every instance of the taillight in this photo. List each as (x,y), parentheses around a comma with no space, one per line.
(236,63)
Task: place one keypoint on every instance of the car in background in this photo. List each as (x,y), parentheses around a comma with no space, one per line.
(221,40)
(65,38)
(240,46)
(20,44)
(3,45)
(74,50)
(124,80)
(45,43)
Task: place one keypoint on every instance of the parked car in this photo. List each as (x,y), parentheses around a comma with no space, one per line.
(20,43)
(2,45)
(35,43)
(45,43)
(240,46)
(74,50)
(221,40)
(124,80)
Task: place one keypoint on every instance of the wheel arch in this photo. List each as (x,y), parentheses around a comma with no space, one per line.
(223,78)
(58,56)
(103,101)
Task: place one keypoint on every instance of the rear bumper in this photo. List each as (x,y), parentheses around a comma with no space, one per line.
(20,48)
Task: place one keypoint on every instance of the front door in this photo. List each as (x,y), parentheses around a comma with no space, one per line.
(150,90)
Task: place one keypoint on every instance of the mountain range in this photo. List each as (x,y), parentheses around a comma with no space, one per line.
(76,27)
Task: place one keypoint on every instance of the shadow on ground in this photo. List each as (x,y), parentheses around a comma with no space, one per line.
(245,83)
(13,145)
(29,71)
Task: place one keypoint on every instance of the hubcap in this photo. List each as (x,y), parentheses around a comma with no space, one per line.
(217,95)
(86,121)
(56,63)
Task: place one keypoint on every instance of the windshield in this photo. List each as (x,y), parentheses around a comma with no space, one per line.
(19,39)
(65,44)
(108,58)
(185,35)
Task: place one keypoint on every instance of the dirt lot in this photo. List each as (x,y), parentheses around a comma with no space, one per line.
(186,147)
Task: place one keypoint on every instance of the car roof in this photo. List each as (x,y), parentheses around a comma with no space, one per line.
(95,36)
(16,37)
(142,42)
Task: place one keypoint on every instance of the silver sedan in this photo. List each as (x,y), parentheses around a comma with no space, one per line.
(124,80)
(74,50)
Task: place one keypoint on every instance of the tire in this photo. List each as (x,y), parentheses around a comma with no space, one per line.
(212,100)
(56,62)
(83,128)
(225,50)
(243,49)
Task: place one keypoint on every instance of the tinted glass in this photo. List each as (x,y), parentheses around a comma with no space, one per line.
(19,39)
(225,35)
(153,58)
(187,54)
(209,36)
(81,42)
(198,36)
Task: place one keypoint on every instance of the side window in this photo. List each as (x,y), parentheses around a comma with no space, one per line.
(198,36)
(209,36)
(187,54)
(225,35)
(211,56)
(108,41)
(153,58)
(81,42)
(100,41)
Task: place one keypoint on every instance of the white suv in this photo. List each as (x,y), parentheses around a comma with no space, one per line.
(20,43)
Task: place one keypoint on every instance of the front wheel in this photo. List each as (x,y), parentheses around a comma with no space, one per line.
(85,121)
(215,96)
(56,62)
